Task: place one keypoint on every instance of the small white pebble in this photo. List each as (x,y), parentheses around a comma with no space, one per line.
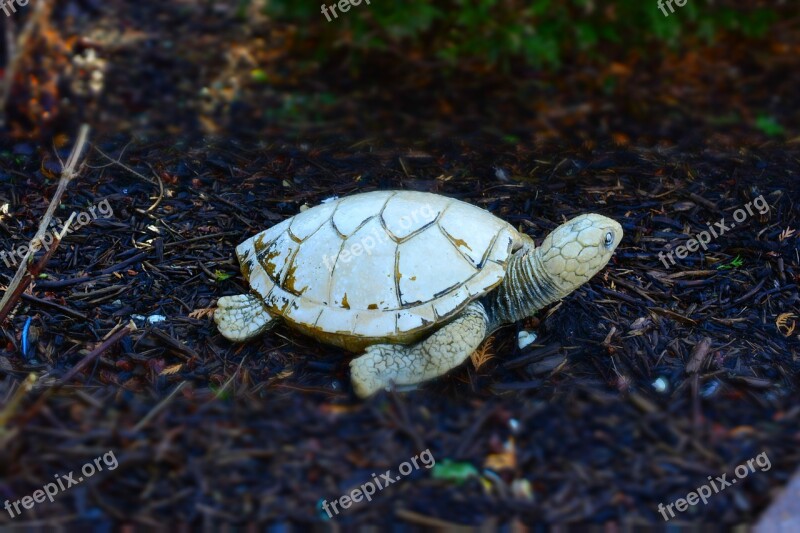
(522,489)
(661,384)
(526,338)
(152,319)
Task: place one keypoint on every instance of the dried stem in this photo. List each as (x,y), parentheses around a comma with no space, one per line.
(112,338)
(17,51)
(26,274)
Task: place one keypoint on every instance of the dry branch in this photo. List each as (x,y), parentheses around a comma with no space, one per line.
(111,339)
(17,50)
(25,274)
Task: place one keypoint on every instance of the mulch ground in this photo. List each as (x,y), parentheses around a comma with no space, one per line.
(641,384)
(618,407)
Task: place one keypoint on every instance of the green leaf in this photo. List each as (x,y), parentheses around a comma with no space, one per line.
(586,35)
(221,276)
(453,471)
(735,263)
(769,126)
(220,393)
(539,32)
(610,85)
(259,76)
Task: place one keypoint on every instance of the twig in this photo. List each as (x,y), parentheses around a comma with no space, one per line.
(219,393)
(47,303)
(36,17)
(699,355)
(160,407)
(11,407)
(113,337)
(140,176)
(23,277)
(26,274)
(11,46)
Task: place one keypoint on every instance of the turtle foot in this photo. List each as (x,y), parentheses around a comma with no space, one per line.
(385,364)
(379,367)
(241,317)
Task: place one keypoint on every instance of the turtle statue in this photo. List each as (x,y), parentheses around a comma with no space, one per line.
(416,281)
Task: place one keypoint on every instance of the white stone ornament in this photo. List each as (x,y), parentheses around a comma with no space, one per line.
(416,279)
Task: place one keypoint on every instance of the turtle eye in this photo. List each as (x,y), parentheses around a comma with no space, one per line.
(609,239)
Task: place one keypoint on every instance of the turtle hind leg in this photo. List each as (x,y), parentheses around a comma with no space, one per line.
(242,317)
(384,364)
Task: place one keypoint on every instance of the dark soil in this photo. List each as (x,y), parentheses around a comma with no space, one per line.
(642,383)
(264,430)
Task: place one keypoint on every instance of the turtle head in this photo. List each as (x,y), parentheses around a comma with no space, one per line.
(577,250)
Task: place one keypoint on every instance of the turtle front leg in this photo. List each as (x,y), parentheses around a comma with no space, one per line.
(383,364)
(242,317)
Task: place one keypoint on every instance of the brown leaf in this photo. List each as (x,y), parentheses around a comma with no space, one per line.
(202,313)
(174,369)
(782,322)
(507,459)
(698,356)
(480,356)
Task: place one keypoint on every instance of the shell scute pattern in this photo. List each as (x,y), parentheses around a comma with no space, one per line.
(423,278)
(306,223)
(275,256)
(420,318)
(353,211)
(428,257)
(336,320)
(367,279)
(299,312)
(309,271)
(473,239)
(410,213)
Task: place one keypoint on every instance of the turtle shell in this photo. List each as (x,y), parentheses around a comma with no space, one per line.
(384,266)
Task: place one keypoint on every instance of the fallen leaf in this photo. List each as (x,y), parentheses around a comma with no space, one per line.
(202,312)
(453,471)
(782,322)
(480,356)
(174,369)
(507,459)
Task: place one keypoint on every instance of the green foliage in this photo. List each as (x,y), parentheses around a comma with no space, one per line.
(539,32)
(453,471)
(259,76)
(220,276)
(769,126)
(735,263)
